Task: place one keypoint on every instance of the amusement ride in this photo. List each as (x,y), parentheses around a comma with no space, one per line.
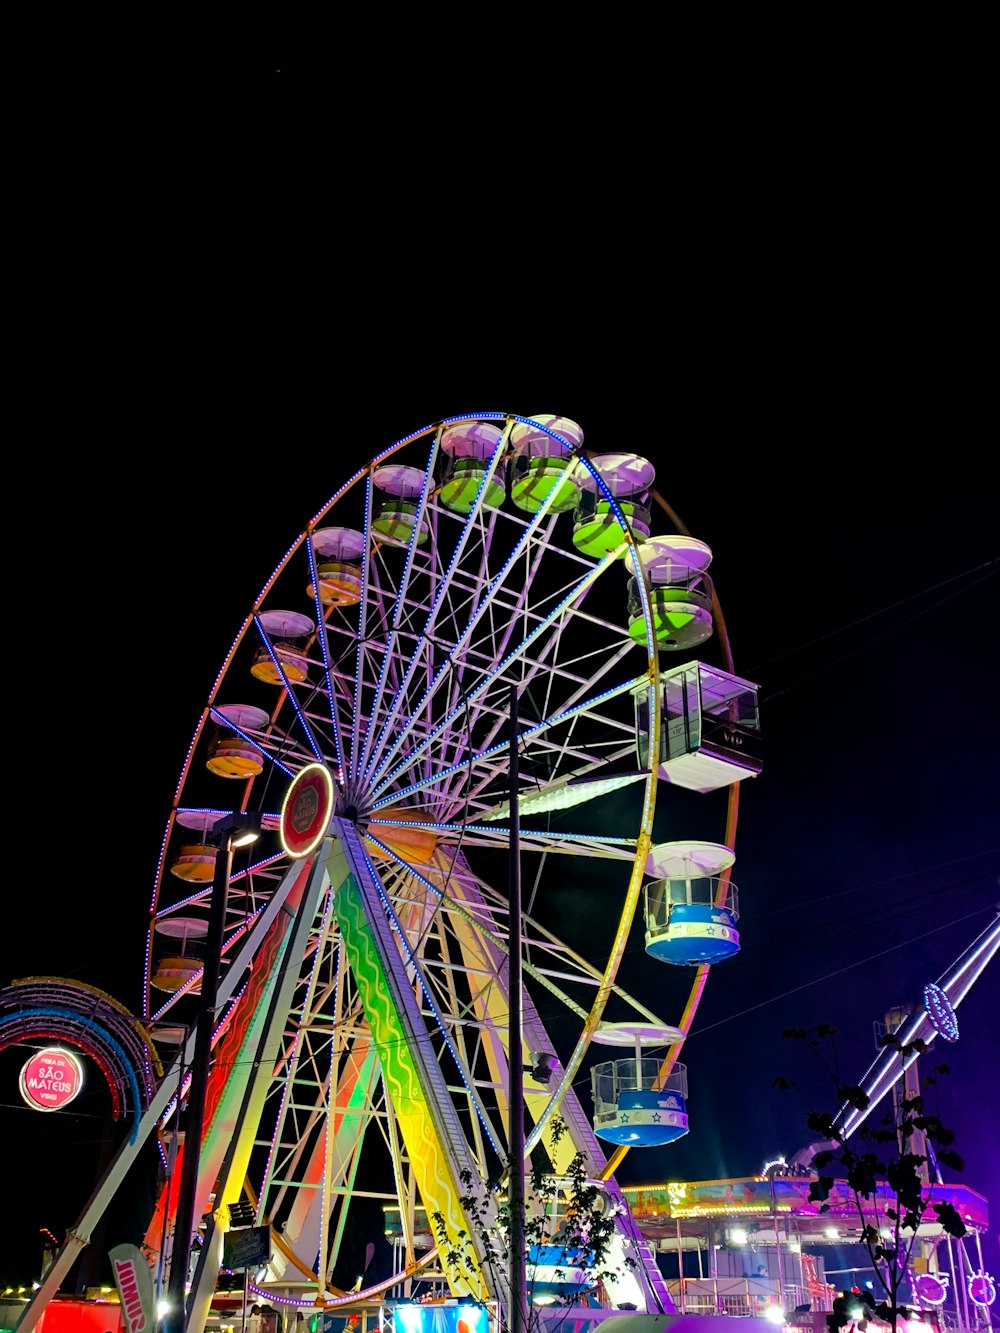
(469,683)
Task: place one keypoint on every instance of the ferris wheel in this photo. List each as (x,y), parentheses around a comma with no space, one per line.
(479,646)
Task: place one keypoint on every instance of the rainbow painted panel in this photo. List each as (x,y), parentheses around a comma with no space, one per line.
(439,1188)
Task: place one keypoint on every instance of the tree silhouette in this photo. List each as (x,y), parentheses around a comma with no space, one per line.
(567,1227)
(888,1179)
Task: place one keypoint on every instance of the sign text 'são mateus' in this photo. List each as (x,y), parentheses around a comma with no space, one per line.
(51,1079)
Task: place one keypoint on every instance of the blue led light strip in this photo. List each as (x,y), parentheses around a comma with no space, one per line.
(487,680)
(404,584)
(288,690)
(421,645)
(324,648)
(264,754)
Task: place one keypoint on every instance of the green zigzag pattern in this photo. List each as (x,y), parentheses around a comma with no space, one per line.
(439,1190)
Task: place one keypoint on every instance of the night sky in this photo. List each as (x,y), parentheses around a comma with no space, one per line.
(832,457)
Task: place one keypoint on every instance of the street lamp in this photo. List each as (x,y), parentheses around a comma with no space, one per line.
(516,1266)
(235,830)
(168,1181)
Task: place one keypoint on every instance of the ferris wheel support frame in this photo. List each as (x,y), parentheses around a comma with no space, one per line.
(79,1235)
(248,1088)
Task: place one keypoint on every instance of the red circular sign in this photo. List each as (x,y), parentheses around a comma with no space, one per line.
(51,1079)
(305,815)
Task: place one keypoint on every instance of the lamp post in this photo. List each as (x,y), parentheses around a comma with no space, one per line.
(168,1183)
(235,830)
(779,1257)
(517,1271)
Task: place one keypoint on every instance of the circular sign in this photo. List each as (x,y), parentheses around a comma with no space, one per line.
(939,1010)
(982,1289)
(305,815)
(930,1288)
(51,1079)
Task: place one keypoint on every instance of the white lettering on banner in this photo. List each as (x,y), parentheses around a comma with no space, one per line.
(128,1287)
(135,1288)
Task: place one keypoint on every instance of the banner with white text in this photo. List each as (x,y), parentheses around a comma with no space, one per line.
(135,1288)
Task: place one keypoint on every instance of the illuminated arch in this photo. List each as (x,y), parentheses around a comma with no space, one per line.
(47,1008)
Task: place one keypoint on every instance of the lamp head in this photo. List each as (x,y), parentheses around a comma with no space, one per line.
(242,826)
(540,1068)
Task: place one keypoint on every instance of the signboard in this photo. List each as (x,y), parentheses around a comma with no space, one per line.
(51,1079)
(450,1317)
(135,1288)
(305,815)
(247,1247)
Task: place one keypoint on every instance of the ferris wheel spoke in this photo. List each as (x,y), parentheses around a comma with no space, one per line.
(370,641)
(488,679)
(476,922)
(483,653)
(496,837)
(265,751)
(477,781)
(362,627)
(279,667)
(439,603)
(328,672)
(392,627)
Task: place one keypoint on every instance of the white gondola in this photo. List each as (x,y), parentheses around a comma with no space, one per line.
(195,860)
(176,969)
(287,631)
(709,728)
(338,554)
(397,508)
(231,754)
(680,593)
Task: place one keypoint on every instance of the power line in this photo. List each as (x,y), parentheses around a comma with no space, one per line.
(815,981)
(991,568)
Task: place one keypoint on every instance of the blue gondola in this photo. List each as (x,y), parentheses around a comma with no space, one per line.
(641,1101)
(692,906)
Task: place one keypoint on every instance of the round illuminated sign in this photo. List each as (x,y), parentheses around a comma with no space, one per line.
(51,1079)
(982,1289)
(305,815)
(939,1010)
(930,1288)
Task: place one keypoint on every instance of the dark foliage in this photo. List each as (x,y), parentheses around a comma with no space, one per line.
(888,1178)
(569,1214)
